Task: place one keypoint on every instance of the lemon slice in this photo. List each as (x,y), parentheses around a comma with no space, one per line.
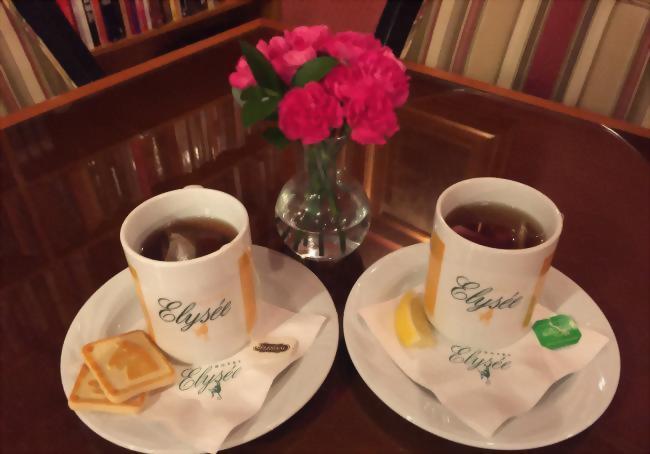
(411,324)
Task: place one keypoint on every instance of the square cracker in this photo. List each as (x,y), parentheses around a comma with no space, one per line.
(127,365)
(88,395)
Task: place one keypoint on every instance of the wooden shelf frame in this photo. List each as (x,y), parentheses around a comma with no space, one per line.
(221,7)
(119,55)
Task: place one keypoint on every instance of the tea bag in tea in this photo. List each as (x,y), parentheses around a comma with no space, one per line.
(179,248)
(187,238)
(521,235)
(495,236)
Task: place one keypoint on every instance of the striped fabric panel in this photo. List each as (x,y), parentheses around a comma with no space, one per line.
(17,65)
(445,33)
(552,51)
(641,100)
(419,38)
(634,76)
(576,46)
(521,34)
(12,73)
(588,51)
(554,43)
(414,37)
(433,16)
(466,35)
(531,44)
(40,76)
(19,27)
(491,39)
(641,3)
(6,94)
(58,79)
(614,58)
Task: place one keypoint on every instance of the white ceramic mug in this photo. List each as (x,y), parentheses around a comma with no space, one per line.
(202,309)
(482,296)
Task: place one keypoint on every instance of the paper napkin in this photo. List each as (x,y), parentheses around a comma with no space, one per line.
(483,388)
(208,400)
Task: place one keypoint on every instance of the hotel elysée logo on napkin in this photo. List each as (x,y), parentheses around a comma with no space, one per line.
(209,378)
(480,360)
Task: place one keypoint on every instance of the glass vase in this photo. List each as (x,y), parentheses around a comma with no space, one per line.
(322,214)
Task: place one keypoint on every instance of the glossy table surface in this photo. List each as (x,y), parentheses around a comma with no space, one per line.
(68,177)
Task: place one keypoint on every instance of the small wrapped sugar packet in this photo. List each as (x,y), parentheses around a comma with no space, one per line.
(208,400)
(485,387)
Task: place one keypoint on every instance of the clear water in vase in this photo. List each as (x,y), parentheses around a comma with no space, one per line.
(319,226)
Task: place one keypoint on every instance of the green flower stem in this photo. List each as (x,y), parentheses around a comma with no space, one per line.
(312,207)
(326,162)
(320,162)
(323,165)
(314,182)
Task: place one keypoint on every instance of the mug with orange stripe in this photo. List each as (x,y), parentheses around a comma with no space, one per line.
(201,309)
(483,296)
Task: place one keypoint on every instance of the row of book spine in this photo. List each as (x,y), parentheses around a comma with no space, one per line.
(99,22)
(591,54)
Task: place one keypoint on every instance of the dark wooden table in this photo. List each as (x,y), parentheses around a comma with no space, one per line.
(71,169)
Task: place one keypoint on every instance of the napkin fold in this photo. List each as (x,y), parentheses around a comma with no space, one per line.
(483,387)
(208,400)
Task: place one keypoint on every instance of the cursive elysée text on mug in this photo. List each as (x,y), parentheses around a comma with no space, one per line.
(475,297)
(174,311)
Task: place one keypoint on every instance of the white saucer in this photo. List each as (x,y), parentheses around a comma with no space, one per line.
(570,406)
(284,282)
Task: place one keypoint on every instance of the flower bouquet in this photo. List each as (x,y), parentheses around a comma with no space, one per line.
(319,89)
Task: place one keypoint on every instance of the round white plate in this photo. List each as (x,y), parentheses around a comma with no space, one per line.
(570,406)
(284,282)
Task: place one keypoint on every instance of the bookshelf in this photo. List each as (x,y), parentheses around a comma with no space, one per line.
(130,51)
(141,49)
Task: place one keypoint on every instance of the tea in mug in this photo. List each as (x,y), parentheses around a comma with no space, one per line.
(495,225)
(189,238)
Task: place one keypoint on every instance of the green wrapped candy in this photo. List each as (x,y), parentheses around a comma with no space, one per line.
(557,331)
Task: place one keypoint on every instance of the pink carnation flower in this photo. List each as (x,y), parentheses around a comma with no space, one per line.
(384,70)
(302,37)
(298,47)
(308,114)
(242,77)
(286,53)
(341,81)
(348,46)
(382,67)
(288,64)
(275,52)
(370,115)
(388,52)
